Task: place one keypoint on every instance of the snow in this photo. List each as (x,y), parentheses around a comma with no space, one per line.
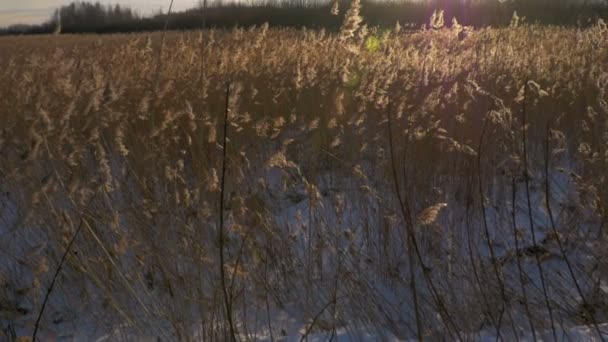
(348,210)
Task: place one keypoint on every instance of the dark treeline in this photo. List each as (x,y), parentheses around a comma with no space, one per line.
(93,15)
(82,17)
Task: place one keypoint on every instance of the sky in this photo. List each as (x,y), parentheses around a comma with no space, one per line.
(37,11)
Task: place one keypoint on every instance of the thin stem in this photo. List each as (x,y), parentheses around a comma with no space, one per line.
(473,265)
(410,237)
(505,302)
(518,258)
(57,271)
(227,300)
(314,320)
(446,318)
(531,219)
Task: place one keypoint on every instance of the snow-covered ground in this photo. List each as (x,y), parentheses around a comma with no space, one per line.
(363,264)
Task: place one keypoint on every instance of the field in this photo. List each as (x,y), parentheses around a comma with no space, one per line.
(269,184)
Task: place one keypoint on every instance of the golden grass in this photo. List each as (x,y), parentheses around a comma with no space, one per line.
(95,128)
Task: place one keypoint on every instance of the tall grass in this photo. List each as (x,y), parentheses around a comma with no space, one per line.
(328,218)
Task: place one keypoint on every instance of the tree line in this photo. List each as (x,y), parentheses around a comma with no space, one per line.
(85,17)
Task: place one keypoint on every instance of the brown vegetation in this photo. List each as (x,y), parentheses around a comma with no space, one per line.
(322,211)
